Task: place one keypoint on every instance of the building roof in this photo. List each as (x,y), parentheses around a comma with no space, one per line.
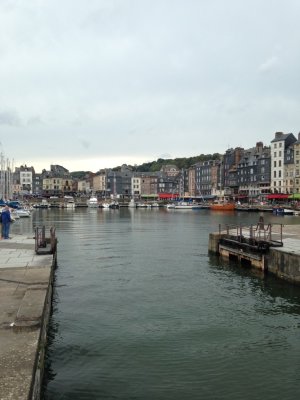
(282,137)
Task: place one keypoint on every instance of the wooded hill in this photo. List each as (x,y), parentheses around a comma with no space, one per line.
(153,166)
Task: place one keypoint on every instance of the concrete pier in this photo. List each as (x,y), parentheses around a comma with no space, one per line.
(282,261)
(25,303)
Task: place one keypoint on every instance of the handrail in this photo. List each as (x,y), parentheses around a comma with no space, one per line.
(259,232)
(41,242)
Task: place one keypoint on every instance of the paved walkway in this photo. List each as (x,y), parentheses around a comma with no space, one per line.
(24,282)
(290,239)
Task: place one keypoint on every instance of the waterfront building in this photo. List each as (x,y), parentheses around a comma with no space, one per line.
(282,156)
(192,181)
(149,184)
(169,186)
(119,182)
(207,176)
(136,185)
(23,178)
(57,181)
(289,169)
(293,174)
(37,184)
(170,170)
(83,186)
(229,180)
(98,183)
(216,171)
(253,172)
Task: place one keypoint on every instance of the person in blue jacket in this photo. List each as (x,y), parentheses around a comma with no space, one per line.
(6,220)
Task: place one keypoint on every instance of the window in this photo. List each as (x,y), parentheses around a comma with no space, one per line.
(279,183)
(279,174)
(274,174)
(279,163)
(275,145)
(279,154)
(274,164)
(280,144)
(275,154)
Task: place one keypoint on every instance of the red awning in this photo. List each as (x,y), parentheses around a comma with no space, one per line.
(277,196)
(168,195)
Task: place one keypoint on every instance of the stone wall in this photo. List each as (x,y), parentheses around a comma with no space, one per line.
(285,265)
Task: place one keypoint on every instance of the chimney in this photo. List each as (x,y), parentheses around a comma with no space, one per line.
(259,147)
(278,135)
(299,136)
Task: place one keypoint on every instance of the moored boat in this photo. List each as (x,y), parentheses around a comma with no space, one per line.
(132,204)
(185,205)
(69,202)
(22,213)
(222,207)
(92,202)
(282,211)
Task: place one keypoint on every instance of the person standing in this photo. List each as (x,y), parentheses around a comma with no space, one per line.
(6,220)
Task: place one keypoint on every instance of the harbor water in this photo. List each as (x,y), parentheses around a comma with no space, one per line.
(141,311)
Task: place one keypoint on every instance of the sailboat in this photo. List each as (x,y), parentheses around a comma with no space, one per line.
(92,202)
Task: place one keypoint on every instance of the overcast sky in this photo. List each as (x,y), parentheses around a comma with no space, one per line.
(89,84)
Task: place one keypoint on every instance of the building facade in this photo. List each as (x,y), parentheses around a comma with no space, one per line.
(282,156)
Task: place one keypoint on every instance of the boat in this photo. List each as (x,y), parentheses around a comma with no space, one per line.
(21,213)
(154,205)
(282,211)
(170,206)
(246,208)
(105,205)
(132,204)
(142,205)
(184,205)
(114,205)
(222,207)
(43,204)
(69,202)
(92,202)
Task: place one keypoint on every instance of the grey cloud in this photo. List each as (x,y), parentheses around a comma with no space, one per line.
(141,78)
(10,118)
(269,65)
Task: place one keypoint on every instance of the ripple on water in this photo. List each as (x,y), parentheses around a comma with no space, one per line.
(142,312)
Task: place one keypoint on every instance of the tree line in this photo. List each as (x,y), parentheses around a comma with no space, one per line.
(154,166)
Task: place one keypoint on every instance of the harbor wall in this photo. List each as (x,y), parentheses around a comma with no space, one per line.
(285,265)
(280,261)
(213,243)
(39,365)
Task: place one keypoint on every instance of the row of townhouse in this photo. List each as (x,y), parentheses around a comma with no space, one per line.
(54,182)
(128,183)
(239,173)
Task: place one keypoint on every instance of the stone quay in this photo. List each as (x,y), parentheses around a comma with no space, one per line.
(26,282)
(272,249)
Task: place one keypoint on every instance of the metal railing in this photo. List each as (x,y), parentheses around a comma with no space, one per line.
(269,234)
(42,244)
